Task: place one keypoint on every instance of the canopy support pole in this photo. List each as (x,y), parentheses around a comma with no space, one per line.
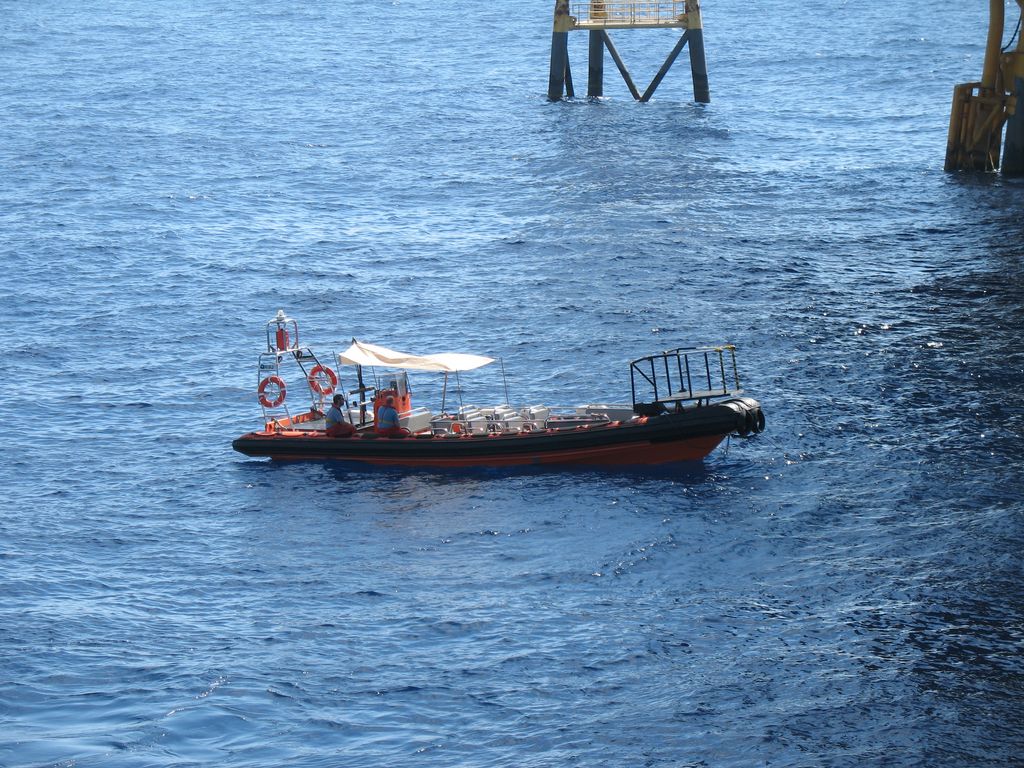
(362,394)
(501,362)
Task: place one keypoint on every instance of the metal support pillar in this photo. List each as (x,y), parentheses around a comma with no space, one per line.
(595,79)
(559,65)
(698,66)
(560,76)
(1013,148)
(1012,69)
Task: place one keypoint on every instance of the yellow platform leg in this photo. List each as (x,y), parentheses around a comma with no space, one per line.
(981,109)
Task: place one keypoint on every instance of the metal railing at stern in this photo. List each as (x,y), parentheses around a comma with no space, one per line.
(687,374)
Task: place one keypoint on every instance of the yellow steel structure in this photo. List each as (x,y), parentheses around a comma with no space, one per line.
(981,109)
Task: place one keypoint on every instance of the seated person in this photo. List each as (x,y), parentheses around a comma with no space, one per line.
(336,424)
(387,420)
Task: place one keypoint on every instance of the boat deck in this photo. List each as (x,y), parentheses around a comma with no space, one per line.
(472,420)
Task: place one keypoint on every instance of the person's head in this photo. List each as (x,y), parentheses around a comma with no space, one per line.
(338,400)
(390,401)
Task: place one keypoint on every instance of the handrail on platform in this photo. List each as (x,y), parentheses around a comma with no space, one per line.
(638,13)
(687,374)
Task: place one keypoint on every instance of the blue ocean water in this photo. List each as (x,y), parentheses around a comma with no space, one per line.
(843,590)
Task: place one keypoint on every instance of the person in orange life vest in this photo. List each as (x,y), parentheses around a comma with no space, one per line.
(387,420)
(336,424)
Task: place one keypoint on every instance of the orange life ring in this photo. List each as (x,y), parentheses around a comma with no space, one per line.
(278,382)
(315,383)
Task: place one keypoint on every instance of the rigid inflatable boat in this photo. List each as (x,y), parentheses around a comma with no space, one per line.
(684,403)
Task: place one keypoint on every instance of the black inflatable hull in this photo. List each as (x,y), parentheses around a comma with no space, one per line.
(673,437)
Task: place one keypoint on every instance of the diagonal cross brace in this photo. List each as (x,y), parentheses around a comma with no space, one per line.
(647,94)
(665,67)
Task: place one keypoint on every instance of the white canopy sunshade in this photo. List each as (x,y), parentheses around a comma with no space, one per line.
(361,353)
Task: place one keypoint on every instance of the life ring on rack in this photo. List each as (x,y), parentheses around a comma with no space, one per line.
(278,382)
(316,383)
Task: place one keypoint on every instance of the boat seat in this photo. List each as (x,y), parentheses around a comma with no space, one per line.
(416,420)
(467,421)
